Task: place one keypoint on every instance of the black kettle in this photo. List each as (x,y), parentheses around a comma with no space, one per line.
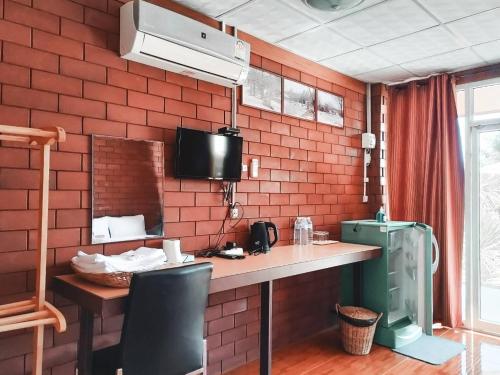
(259,236)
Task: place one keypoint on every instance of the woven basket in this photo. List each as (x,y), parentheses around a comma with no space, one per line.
(113,279)
(357,328)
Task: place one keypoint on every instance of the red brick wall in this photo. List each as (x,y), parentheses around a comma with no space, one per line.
(127,177)
(59,66)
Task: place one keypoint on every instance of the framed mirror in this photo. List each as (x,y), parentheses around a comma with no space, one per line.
(127,189)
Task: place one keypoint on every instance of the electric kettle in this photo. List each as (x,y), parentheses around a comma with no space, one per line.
(259,236)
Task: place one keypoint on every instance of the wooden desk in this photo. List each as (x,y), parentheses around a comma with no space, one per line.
(282,261)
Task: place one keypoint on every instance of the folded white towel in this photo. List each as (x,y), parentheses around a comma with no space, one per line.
(142,259)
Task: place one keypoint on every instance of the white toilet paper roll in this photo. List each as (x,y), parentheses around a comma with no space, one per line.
(172,249)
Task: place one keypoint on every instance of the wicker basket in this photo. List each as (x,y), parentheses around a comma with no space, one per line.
(357,328)
(114,279)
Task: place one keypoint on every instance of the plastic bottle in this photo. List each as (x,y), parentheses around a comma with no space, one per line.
(309,231)
(304,232)
(380,217)
(300,232)
(296,231)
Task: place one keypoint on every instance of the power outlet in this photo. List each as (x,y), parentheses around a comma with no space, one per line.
(234,213)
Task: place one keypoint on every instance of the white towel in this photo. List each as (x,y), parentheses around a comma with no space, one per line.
(142,259)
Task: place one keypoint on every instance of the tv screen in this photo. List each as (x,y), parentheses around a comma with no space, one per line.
(205,155)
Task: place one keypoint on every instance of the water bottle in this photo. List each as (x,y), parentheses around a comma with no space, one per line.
(309,231)
(296,231)
(300,232)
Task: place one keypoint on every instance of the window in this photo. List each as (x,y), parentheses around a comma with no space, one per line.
(478,109)
(486,102)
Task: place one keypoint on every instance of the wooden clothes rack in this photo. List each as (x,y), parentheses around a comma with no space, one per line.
(35,312)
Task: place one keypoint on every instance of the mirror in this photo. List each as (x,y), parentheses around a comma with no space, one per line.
(127,189)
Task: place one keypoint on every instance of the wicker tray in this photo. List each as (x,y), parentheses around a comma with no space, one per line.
(114,279)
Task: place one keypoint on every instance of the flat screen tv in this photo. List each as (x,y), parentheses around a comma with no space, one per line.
(203,155)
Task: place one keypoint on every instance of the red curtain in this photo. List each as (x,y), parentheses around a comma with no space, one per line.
(426,178)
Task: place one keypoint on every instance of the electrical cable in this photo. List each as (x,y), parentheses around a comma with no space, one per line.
(232,226)
(220,234)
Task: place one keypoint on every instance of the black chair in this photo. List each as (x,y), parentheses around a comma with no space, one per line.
(163,328)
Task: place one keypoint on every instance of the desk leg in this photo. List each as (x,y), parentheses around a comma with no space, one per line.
(84,365)
(266,323)
(357,276)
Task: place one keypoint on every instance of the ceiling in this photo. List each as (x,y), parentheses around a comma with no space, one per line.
(378,41)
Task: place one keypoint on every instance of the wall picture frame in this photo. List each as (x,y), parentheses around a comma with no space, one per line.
(299,100)
(262,90)
(330,109)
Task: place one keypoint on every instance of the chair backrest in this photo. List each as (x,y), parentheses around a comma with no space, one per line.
(163,327)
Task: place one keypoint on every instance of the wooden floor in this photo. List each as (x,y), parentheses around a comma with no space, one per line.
(323,354)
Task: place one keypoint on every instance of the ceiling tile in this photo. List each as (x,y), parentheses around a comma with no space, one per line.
(387,20)
(328,16)
(433,41)
(391,74)
(356,62)
(318,44)
(446,62)
(481,28)
(449,10)
(270,20)
(489,51)
(401,38)
(210,7)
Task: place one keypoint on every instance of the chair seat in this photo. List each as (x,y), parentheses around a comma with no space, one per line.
(106,361)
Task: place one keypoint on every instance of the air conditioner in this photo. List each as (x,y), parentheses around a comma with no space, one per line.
(156,36)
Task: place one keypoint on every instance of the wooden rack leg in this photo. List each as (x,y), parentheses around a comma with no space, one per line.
(41,255)
(43,226)
(37,350)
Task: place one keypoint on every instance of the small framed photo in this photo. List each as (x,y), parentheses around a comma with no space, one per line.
(298,100)
(330,109)
(262,90)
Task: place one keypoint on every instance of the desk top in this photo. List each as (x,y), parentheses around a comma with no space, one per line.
(281,261)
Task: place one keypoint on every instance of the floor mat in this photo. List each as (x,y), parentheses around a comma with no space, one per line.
(432,349)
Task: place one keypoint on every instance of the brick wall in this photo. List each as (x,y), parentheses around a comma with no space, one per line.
(59,66)
(127,177)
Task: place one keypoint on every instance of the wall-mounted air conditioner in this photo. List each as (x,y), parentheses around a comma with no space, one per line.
(156,36)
